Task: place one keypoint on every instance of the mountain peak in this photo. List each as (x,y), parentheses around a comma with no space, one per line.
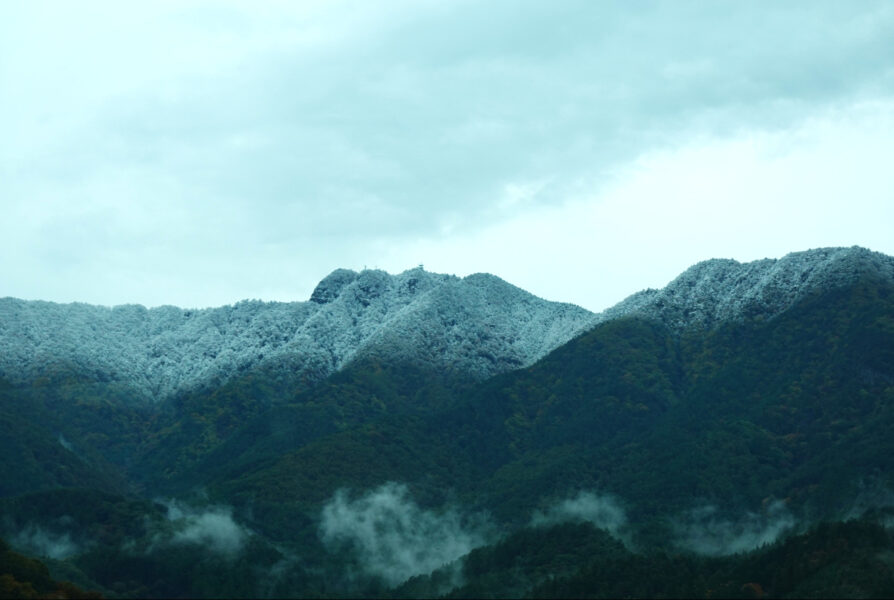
(479,325)
(331,286)
(718,290)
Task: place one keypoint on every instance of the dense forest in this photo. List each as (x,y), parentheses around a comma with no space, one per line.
(748,459)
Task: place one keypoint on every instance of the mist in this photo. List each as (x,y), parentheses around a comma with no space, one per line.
(37,541)
(393,538)
(705,531)
(601,510)
(213,528)
(873,494)
(65,443)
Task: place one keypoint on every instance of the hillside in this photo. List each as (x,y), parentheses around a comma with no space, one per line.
(478,325)
(687,439)
(758,409)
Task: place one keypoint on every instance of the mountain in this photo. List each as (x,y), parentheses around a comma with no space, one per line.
(479,325)
(794,406)
(719,434)
(718,291)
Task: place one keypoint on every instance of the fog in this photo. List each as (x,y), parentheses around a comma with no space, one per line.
(873,494)
(65,443)
(37,541)
(601,510)
(392,537)
(705,530)
(212,527)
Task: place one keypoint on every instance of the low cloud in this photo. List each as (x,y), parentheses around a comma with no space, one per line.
(602,511)
(705,531)
(873,494)
(65,443)
(393,537)
(37,541)
(212,528)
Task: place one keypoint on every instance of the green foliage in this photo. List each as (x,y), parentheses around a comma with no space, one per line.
(34,457)
(795,408)
(532,556)
(23,577)
(798,408)
(94,515)
(832,560)
(179,570)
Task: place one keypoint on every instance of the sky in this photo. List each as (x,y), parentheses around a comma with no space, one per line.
(199,153)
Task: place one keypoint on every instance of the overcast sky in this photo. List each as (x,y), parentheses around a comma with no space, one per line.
(199,153)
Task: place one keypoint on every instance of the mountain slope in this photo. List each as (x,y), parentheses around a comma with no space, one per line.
(479,325)
(796,407)
(717,291)
(740,402)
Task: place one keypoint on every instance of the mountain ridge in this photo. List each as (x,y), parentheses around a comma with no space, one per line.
(166,350)
(718,290)
(479,324)
(740,404)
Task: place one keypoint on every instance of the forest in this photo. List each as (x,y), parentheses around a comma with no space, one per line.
(751,459)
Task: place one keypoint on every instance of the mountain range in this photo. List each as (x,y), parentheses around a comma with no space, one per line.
(479,325)
(422,434)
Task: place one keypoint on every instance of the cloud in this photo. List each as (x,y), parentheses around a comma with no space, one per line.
(393,537)
(747,196)
(211,528)
(705,531)
(197,154)
(65,443)
(874,500)
(602,511)
(38,541)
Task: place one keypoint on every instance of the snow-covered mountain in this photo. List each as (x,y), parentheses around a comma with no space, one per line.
(719,290)
(478,325)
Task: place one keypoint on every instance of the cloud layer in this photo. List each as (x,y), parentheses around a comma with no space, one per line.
(198,153)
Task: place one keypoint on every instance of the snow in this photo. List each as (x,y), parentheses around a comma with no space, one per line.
(720,290)
(479,325)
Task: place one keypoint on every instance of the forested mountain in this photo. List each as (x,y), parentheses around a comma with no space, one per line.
(476,326)
(716,437)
